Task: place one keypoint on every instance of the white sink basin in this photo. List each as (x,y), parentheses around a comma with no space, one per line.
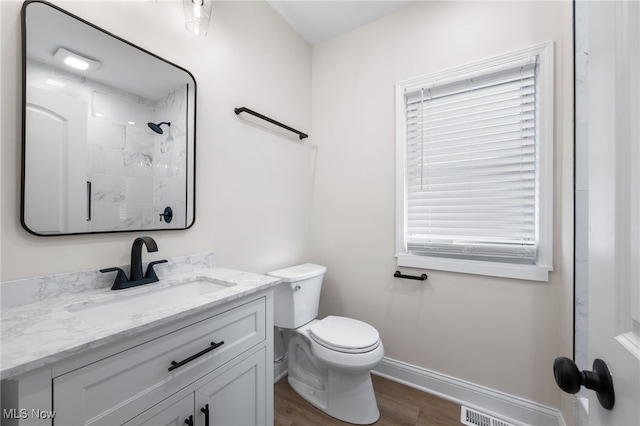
(129,303)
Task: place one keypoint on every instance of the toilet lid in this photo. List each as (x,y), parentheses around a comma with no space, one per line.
(345,334)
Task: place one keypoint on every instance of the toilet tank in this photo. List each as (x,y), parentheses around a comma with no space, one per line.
(297,297)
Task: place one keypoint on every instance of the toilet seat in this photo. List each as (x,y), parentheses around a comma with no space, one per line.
(345,335)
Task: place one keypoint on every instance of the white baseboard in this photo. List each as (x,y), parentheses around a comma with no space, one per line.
(518,411)
(279,371)
(498,404)
(581,408)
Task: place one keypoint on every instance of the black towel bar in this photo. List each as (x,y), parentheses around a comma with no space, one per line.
(410,277)
(270,120)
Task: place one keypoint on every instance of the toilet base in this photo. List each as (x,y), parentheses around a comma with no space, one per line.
(351,400)
(346,396)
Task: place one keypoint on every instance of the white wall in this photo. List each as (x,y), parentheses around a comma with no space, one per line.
(265,201)
(500,333)
(252,202)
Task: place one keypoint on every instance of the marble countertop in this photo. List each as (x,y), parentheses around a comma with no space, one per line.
(38,334)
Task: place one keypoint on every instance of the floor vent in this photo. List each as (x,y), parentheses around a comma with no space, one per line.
(472,417)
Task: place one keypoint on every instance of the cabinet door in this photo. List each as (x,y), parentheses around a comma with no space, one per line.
(237,396)
(166,414)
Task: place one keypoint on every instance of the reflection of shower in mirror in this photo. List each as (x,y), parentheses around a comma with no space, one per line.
(134,173)
(156,127)
(167,145)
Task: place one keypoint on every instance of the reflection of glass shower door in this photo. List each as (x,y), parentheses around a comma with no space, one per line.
(56,197)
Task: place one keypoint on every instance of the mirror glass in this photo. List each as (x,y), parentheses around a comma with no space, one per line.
(108,131)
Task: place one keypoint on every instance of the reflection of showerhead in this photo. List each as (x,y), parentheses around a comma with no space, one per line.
(156,127)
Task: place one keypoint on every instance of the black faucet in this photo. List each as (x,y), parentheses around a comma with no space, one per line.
(135,276)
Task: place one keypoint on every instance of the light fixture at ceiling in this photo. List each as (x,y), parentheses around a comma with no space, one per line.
(76,61)
(197,14)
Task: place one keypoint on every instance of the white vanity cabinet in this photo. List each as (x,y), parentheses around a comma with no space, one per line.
(241,385)
(217,359)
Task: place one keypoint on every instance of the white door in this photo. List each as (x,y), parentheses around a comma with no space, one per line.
(614,205)
(55,163)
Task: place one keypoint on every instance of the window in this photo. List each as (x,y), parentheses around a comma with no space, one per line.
(474,167)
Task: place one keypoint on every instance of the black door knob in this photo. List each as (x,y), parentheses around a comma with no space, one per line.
(569,379)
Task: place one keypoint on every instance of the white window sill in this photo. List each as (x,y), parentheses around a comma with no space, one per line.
(494,269)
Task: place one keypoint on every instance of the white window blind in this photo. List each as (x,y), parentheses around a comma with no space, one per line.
(471,166)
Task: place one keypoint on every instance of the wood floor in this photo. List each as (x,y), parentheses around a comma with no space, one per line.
(398,405)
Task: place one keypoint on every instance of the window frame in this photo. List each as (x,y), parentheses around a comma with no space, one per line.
(545,137)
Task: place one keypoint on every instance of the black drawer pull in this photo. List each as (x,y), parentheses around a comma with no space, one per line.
(205,410)
(189,421)
(175,364)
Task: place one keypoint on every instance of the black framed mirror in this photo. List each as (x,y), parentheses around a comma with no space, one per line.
(108,131)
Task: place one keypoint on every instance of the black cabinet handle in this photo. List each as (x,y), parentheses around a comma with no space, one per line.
(189,421)
(205,410)
(176,364)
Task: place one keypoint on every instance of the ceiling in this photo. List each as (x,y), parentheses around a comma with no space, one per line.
(122,65)
(317,20)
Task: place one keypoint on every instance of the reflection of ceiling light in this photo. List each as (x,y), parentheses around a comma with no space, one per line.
(55,83)
(76,61)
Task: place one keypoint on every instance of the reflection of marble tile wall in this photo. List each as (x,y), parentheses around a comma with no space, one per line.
(169,186)
(120,166)
(136,172)
(127,162)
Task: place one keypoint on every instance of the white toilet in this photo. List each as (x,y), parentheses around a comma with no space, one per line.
(330,360)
